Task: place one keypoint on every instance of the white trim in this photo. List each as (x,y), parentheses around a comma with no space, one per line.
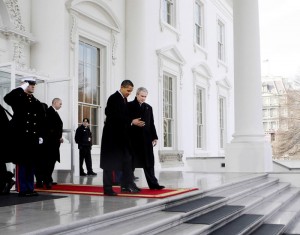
(73,4)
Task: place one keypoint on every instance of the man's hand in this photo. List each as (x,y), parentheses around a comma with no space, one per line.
(138,122)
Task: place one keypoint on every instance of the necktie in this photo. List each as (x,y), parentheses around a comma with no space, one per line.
(125,100)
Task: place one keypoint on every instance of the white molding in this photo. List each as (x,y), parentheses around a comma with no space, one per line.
(223,8)
(172,55)
(74,5)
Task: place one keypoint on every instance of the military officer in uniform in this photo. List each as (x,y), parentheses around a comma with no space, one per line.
(26,128)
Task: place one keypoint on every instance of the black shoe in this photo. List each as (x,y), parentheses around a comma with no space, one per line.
(8,186)
(129,190)
(158,187)
(39,184)
(82,174)
(110,193)
(28,194)
(33,193)
(92,173)
(48,185)
(133,185)
(138,189)
(24,194)
(54,183)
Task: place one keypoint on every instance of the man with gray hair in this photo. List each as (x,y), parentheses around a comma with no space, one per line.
(143,138)
(54,129)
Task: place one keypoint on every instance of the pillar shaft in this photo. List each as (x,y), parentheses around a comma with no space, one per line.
(248,151)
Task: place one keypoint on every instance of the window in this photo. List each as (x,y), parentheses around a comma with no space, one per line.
(265,124)
(222,121)
(169,12)
(199,34)
(200,118)
(89,87)
(266,101)
(221,40)
(265,112)
(168,118)
(273,126)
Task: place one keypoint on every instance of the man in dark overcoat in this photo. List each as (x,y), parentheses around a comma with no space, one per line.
(115,146)
(143,138)
(54,129)
(6,177)
(26,128)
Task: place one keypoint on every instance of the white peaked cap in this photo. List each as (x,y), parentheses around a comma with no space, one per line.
(31,79)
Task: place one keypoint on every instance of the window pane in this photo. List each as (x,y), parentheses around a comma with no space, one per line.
(168,111)
(199,118)
(222,121)
(88,86)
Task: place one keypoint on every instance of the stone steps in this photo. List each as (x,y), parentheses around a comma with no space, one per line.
(249,206)
(245,194)
(250,202)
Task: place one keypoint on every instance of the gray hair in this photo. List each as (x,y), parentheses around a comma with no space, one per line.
(55,99)
(140,89)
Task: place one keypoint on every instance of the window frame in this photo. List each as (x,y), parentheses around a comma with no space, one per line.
(169,12)
(221,40)
(201,145)
(199,25)
(173,24)
(169,143)
(93,109)
(222,121)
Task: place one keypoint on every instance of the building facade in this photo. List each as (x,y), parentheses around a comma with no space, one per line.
(181,51)
(274,92)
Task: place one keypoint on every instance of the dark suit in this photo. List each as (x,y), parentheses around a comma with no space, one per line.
(54,128)
(141,139)
(83,137)
(115,146)
(26,128)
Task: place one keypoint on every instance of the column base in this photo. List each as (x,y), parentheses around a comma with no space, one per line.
(249,157)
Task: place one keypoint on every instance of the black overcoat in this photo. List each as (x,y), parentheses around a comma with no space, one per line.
(142,137)
(5,139)
(115,144)
(26,125)
(54,129)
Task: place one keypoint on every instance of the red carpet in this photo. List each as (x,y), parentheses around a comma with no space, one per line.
(98,191)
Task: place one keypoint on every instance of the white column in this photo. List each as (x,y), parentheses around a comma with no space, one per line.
(248,151)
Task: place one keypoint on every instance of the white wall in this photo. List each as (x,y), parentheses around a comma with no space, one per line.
(130,33)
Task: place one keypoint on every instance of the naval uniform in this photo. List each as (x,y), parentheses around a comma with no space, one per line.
(26,129)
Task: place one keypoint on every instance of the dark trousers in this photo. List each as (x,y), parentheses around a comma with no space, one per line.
(126,179)
(150,177)
(3,172)
(49,171)
(85,155)
(44,171)
(25,177)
